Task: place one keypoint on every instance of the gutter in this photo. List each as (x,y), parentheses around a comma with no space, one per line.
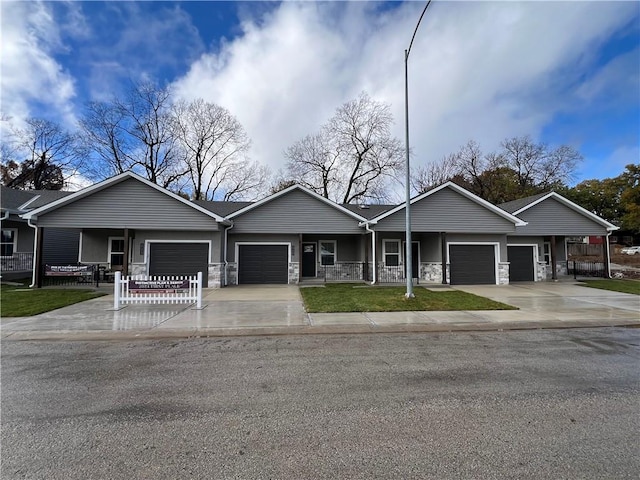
(226,263)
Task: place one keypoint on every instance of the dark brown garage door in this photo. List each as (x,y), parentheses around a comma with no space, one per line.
(472,264)
(263,264)
(520,264)
(179,259)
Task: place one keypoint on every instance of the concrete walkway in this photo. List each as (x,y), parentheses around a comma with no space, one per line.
(256,310)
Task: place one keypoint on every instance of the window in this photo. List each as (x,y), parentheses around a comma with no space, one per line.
(391,253)
(116,252)
(8,244)
(328,253)
(546,253)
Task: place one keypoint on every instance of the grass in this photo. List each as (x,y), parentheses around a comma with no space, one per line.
(623,286)
(19,301)
(359,298)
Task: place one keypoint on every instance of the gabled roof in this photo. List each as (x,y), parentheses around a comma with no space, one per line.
(457,188)
(515,205)
(85,192)
(292,188)
(368,211)
(536,199)
(222,208)
(20,201)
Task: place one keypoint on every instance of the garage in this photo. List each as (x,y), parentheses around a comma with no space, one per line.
(521,263)
(472,264)
(263,264)
(179,259)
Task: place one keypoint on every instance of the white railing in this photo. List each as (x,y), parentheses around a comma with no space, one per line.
(157,289)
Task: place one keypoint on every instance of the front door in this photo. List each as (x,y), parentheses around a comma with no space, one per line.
(308,259)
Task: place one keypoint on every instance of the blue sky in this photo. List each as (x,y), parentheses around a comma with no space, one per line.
(562,72)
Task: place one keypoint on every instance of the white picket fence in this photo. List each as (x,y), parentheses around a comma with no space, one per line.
(157,289)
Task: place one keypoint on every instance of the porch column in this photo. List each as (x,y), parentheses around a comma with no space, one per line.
(37,261)
(365,266)
(125,260)
(300,258)
(443,253)
(606,256)
(554,275)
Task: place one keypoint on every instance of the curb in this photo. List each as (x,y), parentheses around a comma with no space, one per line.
(108,335)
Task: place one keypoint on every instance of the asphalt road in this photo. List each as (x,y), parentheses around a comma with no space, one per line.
(535,404)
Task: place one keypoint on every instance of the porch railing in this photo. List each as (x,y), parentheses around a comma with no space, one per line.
(586,269)
(344,271)
(18,262)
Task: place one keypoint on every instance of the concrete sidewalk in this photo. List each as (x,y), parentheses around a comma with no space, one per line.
(279,310)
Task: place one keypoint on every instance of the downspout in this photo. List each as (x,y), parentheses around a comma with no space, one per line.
(373,251)
(226,263)
(35,253)
(5,216)
(608,250)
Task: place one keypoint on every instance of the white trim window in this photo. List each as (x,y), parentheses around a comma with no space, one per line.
(116,253)
(9,242)
(391,253)
(546,253)
(327,252)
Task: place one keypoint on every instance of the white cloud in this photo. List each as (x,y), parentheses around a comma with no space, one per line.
(614,164)
(28,70)
(481,70)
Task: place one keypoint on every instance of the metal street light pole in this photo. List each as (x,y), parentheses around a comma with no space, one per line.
(408,254)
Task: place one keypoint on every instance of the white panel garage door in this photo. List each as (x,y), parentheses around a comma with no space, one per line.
(472,264)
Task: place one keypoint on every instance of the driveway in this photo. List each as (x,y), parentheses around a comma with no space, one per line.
(278,309)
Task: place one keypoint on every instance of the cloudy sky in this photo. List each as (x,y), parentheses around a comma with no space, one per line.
(563,72)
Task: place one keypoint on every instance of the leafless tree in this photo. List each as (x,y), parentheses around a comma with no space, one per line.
(215,145)
(426,177)
(354,156)
(136,132)
(41,155)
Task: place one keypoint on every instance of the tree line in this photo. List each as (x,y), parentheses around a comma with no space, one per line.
(201,151)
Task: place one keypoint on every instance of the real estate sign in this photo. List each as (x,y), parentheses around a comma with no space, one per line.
(158,286)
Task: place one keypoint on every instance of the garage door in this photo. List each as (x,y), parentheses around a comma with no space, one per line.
(472,264)
(179,259)
(263,264)
(521,264)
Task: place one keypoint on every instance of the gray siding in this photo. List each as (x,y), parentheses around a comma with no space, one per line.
(95,243)
(60,246)
(501,239)
(296,212)
(130,204)
(350,248)
(141,236)
(294,240)
(551,217)
(24,235)
(447,211)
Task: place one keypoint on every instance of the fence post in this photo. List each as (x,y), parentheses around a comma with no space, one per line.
(116,290)
(575,275)
(199,291)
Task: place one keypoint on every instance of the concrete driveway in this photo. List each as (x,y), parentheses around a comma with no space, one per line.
(277,309)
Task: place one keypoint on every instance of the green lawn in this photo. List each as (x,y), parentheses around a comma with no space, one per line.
(624,286)
(20,301)
(360,298)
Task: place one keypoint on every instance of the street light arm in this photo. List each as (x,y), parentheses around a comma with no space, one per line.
(408,51)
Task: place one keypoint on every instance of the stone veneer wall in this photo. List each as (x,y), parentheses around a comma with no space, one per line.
(503,273)
(541,271)
(232,273)
(561,269)
(432,272)
(294,272)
